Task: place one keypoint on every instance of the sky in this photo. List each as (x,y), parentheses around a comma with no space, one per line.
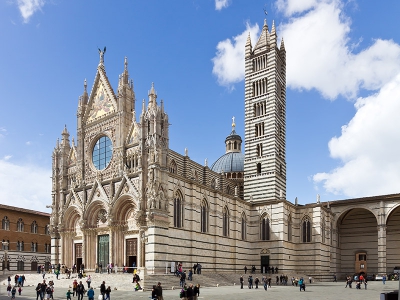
(343,84)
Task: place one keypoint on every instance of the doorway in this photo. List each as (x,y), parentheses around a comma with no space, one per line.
(131,254)
(34,266)
(264,263)
(78,256)
(103,251)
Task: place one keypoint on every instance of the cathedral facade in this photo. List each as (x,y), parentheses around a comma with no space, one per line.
(120,195)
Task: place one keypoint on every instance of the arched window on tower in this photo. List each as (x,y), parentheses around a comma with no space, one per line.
(225,222)
(306,230)
(259,169)
(204,216)
(244,227)
(264,228)
(20,225)
(323,230)
(178,210)
(5,223)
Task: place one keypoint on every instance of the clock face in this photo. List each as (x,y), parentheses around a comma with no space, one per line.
(102,153)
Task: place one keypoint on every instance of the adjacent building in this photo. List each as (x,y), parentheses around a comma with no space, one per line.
(25,239)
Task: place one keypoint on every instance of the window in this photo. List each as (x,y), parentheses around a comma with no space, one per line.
(172,167)
(204,216)
(323,231)
(47,229)
(34,247)
(20,265)
(259,150)
(244,226)
(20,246)
(47,248)
(362,257)
(20,225)
(5,223)
(178,210)
(225,222)
(264,228)
(289,228)
(306,230)
(259,129)
(5,245)
(102,153)
(258,168)
(34,227)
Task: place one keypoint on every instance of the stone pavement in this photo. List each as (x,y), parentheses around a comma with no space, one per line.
(323,290)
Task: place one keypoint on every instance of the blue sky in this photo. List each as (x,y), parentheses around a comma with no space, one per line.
(343,66)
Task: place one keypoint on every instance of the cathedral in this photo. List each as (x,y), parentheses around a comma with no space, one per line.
(120,195)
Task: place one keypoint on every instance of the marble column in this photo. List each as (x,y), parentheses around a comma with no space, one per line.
(111,245)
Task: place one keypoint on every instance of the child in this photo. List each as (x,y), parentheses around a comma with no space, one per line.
(9,290)
(69,295)
(13,291)
(19,291)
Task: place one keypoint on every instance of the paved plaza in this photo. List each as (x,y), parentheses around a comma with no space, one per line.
(324,290)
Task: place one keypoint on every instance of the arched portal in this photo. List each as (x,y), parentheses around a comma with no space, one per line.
(393,240)
(357,239)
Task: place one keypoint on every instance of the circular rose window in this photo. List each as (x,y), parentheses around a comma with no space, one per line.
(102,153)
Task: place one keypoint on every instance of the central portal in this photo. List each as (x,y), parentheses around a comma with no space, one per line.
(103,251)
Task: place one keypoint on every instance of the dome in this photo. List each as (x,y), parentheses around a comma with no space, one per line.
(229,162)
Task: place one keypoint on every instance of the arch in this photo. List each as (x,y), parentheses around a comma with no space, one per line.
(95,210)
(172,167)
(390,211)
(225,221)
(265,227)
(70,218)
(392,238)
(306,229)
(123,208)
(204,212)
(340,216)
(357,231)
(178,209)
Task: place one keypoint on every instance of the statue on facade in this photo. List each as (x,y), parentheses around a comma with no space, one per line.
(102,55)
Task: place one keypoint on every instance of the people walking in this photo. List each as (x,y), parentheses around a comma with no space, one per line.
(90,294)
(241,282)
(88,281)
(159,292)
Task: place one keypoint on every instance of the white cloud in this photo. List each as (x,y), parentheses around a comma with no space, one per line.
(27,186)
(368,147)
(7,157)
(317,41)
(321,56)
(229,59)
(28,143)
(29,7)
(220,4)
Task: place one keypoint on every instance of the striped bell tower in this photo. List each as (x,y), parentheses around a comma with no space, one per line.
(265,118)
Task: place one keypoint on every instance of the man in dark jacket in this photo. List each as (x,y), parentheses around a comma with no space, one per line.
(159,291)
(80,289)
(189,292)
(103,289)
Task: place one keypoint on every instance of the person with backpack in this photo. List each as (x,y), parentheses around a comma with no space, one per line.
(80,290)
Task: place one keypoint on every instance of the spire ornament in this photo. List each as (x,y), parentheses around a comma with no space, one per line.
(102,55)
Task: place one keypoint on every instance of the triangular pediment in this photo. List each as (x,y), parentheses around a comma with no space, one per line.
(133,135)
(102,101)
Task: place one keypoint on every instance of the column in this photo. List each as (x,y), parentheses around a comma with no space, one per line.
(111,245)
(382,249)
(84,248)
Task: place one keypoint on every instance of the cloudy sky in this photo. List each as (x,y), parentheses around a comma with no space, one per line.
(343,76)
